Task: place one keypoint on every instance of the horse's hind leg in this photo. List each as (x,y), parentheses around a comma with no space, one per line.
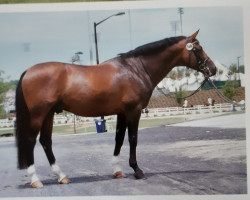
(119,138)
(33,132)
(46,142)
(35,182)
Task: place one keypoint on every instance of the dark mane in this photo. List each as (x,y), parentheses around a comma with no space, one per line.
(152,48)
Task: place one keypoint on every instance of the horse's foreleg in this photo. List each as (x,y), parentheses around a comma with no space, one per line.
(62,178)
(133,123)
(119,138)
(46,142)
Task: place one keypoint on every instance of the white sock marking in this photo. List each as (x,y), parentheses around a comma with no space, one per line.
(57,171)
(115,164)
(32,173)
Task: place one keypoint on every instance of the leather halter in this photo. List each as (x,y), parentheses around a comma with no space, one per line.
(197,52)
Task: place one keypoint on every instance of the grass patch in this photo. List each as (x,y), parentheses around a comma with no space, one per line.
(69,129)
(145,123)
(6,131)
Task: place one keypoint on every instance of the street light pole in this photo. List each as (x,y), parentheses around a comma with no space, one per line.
(95,25)
(96,44)
(174,26)
(180,10)
(76,58)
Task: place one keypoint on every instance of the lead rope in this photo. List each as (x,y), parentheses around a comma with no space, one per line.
(197,90)
(219,93)
(168,95)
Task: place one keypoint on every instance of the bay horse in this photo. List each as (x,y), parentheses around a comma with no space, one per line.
(122,85)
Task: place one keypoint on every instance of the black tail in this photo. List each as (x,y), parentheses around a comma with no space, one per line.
(22,127)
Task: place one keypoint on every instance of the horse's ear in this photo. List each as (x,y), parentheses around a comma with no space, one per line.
(192,37)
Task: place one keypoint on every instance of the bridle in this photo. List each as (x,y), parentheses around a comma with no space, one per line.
(197,53)
(203,67)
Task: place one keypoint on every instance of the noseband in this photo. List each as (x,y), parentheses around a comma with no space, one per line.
(201,62)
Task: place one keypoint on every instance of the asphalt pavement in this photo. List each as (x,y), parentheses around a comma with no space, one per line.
(220,121)
(181,159)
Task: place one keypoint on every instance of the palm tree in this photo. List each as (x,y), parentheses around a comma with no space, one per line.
(180,73)
(188,74)
(179,94)
(172,75)
(196,74)
(232,70)
(220,72)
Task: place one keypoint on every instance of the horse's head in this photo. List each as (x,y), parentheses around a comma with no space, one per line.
(196,58)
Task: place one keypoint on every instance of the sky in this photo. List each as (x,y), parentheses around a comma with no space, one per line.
(28,38)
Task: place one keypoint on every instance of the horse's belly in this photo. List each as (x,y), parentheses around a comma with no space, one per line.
(104,104)
(95,110)
(95,106)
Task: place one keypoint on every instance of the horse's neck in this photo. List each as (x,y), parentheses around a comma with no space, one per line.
(158,66)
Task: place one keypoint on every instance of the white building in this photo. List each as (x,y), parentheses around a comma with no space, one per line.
(192,83)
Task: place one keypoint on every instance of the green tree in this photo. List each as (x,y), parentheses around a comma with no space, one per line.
(13,84)
(187,74)
(220,72)
(242,69)
(179,95)
(230,88)
(172,75)
(196,74)
(4,87)
(232,71)
(180,73)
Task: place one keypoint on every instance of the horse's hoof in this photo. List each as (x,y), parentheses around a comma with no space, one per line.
(139,174)
(118,174)
(37,184)
(65,180)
